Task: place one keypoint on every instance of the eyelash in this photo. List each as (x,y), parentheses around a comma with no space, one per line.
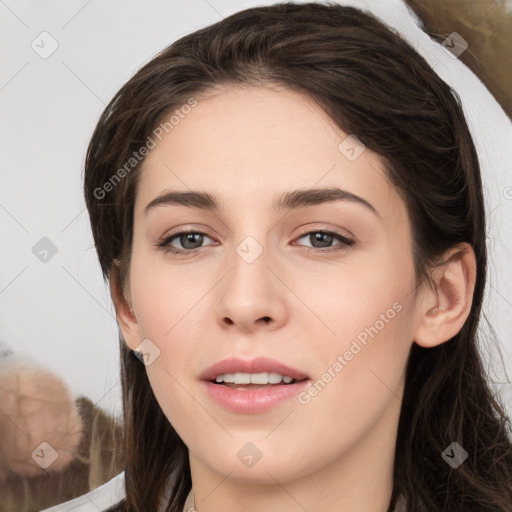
(164,243)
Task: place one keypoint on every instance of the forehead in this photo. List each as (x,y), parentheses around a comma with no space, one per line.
(244,143)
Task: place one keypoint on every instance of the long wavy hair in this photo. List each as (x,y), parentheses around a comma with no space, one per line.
(375,85)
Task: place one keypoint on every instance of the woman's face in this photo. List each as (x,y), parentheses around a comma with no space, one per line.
(340,307)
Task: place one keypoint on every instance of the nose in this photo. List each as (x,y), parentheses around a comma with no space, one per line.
(252,295)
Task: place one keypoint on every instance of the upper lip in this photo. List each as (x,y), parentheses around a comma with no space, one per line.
(255,365)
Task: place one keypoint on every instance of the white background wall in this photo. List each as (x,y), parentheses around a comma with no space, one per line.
(59,312)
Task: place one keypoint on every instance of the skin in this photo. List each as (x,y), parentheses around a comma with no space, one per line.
(337,451)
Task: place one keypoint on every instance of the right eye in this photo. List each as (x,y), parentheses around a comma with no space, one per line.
(189,240)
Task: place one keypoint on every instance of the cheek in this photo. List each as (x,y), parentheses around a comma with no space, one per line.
(165,299)
(359,342)
(356,300)
(358,373)
(364,356)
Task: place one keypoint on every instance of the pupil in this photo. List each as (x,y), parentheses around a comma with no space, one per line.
(319,236)
(189,237)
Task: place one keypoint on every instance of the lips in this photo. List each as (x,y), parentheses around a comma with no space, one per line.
(256,365)
(246,400)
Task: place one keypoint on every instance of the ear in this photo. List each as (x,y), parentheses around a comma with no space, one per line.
(445,309)
(126,318)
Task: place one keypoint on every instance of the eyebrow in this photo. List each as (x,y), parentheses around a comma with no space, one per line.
(287,201)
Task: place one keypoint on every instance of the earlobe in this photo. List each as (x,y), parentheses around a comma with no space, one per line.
(447,308)
(125,315)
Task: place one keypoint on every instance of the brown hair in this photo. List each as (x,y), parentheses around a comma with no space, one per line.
(375,85)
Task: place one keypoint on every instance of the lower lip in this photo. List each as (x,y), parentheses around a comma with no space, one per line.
(251,401)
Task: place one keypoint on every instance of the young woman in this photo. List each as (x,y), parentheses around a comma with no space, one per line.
(288,208)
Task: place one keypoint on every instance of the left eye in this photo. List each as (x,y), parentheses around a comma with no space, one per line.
(325,238)
(190,241)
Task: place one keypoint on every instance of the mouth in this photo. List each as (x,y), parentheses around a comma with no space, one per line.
(249,381)
(253,398)
(252,386)
(259,371)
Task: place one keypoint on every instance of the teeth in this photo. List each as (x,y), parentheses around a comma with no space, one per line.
(253,378)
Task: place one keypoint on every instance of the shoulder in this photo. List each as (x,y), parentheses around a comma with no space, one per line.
(100,499)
